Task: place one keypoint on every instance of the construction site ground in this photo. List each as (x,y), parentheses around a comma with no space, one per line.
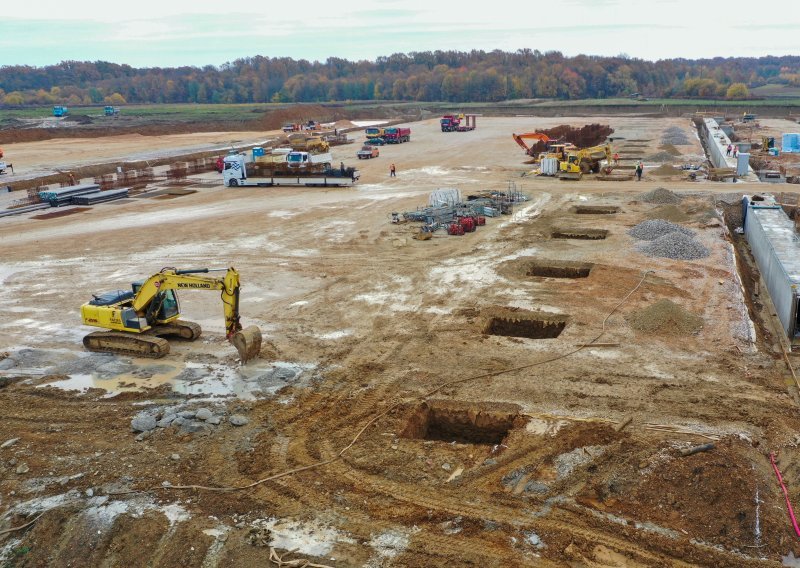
(401,387)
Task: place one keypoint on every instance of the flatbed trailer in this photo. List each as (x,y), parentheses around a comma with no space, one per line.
(299,181)
(234,174)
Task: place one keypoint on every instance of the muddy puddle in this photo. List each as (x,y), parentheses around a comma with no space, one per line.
(196,379)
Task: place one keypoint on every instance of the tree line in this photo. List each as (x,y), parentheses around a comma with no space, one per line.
(452,76)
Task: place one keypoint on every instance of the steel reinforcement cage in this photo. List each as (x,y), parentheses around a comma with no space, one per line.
(776,249)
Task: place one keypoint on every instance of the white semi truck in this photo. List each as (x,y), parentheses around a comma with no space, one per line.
(302,171)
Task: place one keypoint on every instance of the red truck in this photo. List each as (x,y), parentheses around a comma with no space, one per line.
(395,135)
(460,123)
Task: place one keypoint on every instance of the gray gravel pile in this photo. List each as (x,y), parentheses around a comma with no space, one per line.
(676,245)
(660,157)
(661,196)
(674,135)
(656,228)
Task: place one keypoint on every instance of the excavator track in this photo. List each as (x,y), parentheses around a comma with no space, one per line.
(138,345)
(187,330)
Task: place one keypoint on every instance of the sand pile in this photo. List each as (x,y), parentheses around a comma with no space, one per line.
(665,317)
(665,170)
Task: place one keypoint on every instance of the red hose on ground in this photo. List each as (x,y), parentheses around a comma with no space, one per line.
(785,493)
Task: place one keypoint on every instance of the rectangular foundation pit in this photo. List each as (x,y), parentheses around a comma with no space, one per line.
(487,423)
(580,234)
(527,327)
(559,269)
(596,209)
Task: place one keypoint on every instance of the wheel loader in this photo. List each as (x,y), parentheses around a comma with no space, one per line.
(585,160)
(135,321)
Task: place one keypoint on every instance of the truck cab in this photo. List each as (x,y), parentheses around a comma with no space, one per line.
(59,111)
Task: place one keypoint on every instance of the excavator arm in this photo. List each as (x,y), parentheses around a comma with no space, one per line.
(150,294)
(520,139)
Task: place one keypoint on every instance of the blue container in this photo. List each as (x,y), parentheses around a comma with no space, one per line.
(258,151)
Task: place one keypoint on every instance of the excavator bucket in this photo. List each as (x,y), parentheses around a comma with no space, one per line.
(247,342)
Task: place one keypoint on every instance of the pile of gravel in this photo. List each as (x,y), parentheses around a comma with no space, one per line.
(656,228)
(661,196)
(662,156)
(665,317)
(676,245)
(674,135)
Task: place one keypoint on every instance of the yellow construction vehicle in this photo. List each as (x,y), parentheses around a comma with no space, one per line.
(585,160)
(135,320)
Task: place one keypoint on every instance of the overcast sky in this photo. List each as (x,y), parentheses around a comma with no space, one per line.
(147,33)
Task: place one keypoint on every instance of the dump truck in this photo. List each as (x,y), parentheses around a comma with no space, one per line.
(585,160)
(458,123)
(303,173)
(395,135)
(373,132)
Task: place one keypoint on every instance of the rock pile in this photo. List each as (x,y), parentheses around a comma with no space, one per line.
(188,421)
(660,196)
(665,317)
(655,228)
(676,245)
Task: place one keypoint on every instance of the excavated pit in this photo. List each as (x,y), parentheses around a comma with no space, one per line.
(530,325)
(596,209)
(487,423)
(558,269)
(582,234)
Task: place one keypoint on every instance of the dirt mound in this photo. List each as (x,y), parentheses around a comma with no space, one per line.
(665,317)
(80,119)
(583,137)
(670,149)
(299,114)
(666,170)
(660,195)
(669,213)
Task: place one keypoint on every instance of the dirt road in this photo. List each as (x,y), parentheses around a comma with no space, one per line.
(492,432)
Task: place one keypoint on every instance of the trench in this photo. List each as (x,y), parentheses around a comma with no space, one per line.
(596,209)
(485,423)
(530,328)
(582,234)
(559,269)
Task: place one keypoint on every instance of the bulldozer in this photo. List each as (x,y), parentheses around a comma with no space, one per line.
(135,321)
(577,162)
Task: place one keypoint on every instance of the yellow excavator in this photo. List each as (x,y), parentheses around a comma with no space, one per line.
(135,320)
(581,161)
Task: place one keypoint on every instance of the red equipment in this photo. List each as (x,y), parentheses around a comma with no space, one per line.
(480,220)
(455,229)
(468,223)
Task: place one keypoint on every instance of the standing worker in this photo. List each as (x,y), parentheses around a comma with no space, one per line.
(639,171)
(616,158)
(392,171)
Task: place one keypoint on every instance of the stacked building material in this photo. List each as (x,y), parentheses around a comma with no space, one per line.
(99,196)
(24,209)
(64,195)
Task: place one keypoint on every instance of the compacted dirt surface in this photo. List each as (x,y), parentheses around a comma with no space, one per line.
(521,395)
